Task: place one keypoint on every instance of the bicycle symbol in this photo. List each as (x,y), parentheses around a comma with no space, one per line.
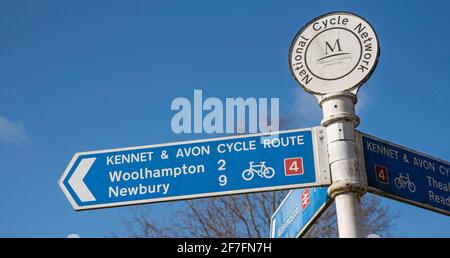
(402,181)
(261,170)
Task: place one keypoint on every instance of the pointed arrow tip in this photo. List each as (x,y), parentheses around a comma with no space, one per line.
(77,183)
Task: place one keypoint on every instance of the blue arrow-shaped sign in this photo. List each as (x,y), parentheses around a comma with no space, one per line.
(405,175)
(204,168)
(299,210)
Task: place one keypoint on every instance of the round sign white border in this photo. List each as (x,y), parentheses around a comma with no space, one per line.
(353,88)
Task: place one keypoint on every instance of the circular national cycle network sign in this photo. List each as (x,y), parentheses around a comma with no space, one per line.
(334,52)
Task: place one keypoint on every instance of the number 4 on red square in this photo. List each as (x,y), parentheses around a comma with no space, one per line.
(293,166)
(382,174)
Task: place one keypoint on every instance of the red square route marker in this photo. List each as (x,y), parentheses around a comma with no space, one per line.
(293,166)
(381,173)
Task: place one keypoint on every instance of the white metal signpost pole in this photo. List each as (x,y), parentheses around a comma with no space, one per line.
(331,57)
(340,121)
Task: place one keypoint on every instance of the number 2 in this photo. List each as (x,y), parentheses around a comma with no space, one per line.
(221,164)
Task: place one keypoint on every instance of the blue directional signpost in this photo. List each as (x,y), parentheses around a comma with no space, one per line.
(406,175)
(298,212)
(205,168)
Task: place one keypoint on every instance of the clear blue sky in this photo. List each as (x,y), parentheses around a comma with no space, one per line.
(87,75)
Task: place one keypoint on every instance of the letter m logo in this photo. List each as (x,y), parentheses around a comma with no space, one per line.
(332,48)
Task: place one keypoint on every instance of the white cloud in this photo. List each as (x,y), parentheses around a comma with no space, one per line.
(309,112)
(307,108)
(363,102)
(12,131)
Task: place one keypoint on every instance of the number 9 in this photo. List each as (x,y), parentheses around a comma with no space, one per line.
(222,180)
